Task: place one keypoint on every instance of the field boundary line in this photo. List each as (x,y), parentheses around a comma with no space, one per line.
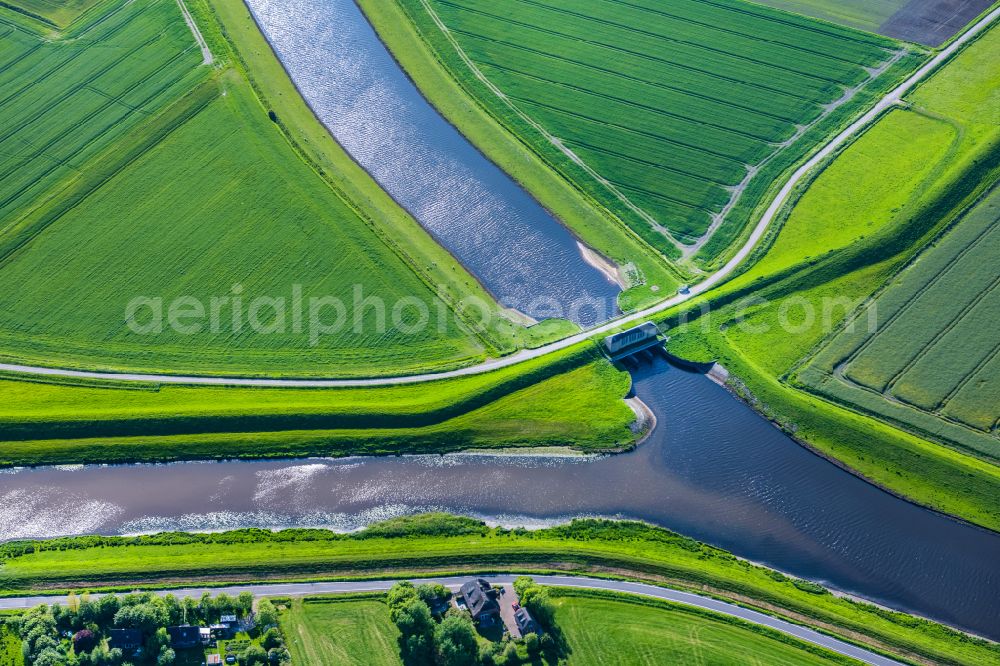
(888,101)
(206,53)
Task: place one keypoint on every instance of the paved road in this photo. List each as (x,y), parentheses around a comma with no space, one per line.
(453,583)
(891,99)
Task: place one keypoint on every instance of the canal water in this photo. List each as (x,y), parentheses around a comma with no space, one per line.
(524,256)
(713,469)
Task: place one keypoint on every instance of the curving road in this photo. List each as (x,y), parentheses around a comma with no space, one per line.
(454,582)
(891,99)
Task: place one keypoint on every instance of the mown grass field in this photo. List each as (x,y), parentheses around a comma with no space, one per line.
(668,109)
(572,400)
(111,198)
(860,221)
(622,629)
(334,630)
(407,547)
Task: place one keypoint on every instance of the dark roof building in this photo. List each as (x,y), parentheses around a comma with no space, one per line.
(182,638)
(125,640)
(525,623)
(481,600)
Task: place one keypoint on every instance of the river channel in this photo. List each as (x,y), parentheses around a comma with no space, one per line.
(713,469)
(518,251)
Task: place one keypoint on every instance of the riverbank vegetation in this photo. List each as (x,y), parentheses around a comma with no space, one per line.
(571,399)
(787,324)
(670,134)
(409,547)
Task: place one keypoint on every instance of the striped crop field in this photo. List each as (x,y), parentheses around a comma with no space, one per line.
(668,115)
(56,13)
(64,101)
(932,348)
(130,170)
(924,352)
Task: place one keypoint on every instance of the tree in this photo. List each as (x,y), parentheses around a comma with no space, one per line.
(398,596)
(531,642)
(278,655)
(84,641)
(432,593)
(267,614)
(416,628)
(271,639)
(244,602)
(455,642)
(253,655)
(166,658)
(147,617)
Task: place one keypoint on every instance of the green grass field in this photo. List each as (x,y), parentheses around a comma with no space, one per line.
(451,545)
(934,345)
(572,399)
(620,629)
(328,631)
(666,108)
(165,226)
(598,629)
(862,219)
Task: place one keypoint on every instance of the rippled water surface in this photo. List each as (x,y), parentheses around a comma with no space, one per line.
(517,250)
(713,469)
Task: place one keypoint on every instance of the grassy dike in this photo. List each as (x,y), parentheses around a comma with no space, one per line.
(439,543)
(573,398)
(584,217)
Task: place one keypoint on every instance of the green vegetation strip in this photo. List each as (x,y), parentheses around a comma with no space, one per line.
(409,546)
(573,398)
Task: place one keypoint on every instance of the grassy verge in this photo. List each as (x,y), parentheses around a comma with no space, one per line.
(406,547)
(569,399)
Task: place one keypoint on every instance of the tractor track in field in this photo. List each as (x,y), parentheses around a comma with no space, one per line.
(888,101)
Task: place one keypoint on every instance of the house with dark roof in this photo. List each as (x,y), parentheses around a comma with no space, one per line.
(184,637)
(525,623)
(481,600)
(126,640)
